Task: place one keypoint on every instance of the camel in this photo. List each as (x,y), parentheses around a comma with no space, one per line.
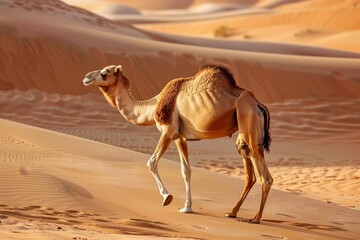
(205,106)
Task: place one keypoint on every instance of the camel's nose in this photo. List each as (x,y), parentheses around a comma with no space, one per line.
(88,81)
(90,77)
(91,74)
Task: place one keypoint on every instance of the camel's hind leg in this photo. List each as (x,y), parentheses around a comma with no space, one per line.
(162,146)
(258,160)
(250,178)
(250,141)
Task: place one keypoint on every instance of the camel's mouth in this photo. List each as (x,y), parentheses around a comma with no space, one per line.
(88,81)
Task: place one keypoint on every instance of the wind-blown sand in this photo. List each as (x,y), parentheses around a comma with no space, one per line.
(57,186)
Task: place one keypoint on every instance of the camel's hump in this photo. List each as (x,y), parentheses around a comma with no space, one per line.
(208,78)
(215,73)
(211,79)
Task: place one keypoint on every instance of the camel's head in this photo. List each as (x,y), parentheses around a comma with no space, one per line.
(106,77)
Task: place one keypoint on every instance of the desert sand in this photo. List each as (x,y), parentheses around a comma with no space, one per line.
(73,168)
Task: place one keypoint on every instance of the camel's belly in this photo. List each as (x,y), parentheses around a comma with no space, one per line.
(203,116)
(192,134)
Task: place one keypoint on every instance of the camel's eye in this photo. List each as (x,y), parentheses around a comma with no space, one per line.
(103,75)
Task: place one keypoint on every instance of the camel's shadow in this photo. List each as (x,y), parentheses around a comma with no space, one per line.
(316,229)
(305,226)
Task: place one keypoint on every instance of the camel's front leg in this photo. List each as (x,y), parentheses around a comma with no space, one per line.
(186,173)
(163,144)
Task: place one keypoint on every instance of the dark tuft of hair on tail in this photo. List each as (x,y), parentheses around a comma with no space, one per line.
(267,135)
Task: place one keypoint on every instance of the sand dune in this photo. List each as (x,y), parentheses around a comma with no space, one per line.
(62,166)
(135,50)
(305,22)
(157,5)
(92,5)
(187,16)
(264,46)
(296,57)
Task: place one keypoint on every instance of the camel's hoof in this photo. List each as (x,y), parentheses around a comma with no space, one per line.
(185,210)
(230,215)
(167,199)
(254,221)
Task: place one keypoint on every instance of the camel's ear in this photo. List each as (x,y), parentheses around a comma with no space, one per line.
(118,70)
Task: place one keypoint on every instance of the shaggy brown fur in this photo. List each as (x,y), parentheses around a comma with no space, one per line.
(165,106)
(267,136)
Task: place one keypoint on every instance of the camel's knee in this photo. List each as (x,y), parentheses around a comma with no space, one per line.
(151,164)
(243,148)
(270,181)
(186,173)
(267,182)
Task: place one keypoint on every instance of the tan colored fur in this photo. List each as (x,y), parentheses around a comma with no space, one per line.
(267,135)
(208,77)
(215,72)
(208,105)
(109,94)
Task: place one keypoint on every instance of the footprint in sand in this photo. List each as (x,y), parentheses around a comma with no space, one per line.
(200,227)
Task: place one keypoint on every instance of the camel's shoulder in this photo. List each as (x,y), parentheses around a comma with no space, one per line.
(167,98)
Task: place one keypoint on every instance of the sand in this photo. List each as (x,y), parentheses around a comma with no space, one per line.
(318,23)
(86,189)
(73,168)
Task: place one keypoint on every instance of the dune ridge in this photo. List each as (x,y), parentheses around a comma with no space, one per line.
(303,22)
(276,70)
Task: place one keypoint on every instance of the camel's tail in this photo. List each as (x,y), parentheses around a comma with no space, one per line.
(267,135)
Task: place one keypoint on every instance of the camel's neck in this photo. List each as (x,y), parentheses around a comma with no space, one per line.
(134,111)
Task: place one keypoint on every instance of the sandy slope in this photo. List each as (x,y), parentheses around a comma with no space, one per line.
(65,182)
(33,45)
